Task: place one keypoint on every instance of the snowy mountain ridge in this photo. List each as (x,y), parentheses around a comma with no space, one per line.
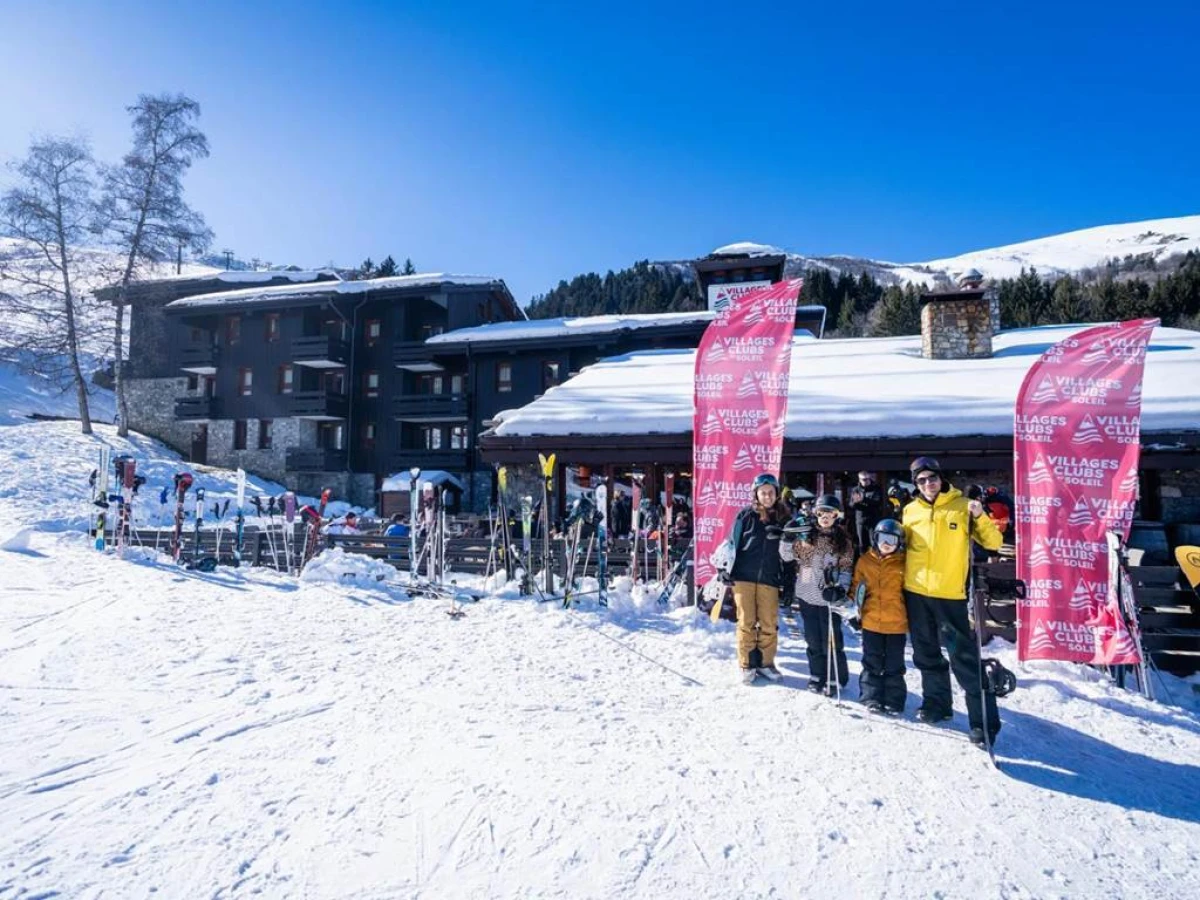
(1056,255)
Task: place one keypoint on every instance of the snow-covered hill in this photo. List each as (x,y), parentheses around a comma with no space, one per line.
(1059,254)
(179,734)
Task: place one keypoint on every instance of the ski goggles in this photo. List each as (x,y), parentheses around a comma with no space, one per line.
(889,541)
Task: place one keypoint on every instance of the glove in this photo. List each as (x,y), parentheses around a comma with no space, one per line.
(834,596)
(725,578)
(855,623)
(774,531)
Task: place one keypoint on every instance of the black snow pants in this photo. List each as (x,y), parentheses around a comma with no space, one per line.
(882,677)
(816,639)
(933,622)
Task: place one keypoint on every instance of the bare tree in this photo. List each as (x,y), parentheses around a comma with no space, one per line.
(49,212)
(142,203)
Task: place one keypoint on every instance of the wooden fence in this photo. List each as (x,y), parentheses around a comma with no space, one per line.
(1169,610)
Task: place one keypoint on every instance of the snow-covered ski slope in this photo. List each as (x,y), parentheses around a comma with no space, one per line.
(1058,254)
(239,733)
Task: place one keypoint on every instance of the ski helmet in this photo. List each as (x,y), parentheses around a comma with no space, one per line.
(888,527)
(767,479)
(924,464)
(828,501)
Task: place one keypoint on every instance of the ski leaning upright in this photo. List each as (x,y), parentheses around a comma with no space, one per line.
(602,543)
(99,483)
(183,481)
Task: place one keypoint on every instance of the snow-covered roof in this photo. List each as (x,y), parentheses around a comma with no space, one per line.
(578,325)
(856,388)
(565,327)
(748,248)
(284,292)
(402,481)
(256,276)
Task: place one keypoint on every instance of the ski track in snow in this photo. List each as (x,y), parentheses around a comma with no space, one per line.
(222,737)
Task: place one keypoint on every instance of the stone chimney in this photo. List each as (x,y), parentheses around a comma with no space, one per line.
(959,324)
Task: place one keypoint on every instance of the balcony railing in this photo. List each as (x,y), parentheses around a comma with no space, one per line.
(314,459)
(415,356)
(429,407)
(317,405)
(199,359)
(449,460)
(197,408)
(320,352)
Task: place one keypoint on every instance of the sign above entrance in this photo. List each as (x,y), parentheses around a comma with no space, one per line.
(721,295)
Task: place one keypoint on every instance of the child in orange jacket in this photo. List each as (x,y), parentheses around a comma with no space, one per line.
(879,580)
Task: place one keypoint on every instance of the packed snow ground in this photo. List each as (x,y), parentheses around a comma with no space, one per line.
(186,734)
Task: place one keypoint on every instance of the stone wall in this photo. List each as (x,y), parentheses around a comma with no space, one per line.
(957,328)
(152,410)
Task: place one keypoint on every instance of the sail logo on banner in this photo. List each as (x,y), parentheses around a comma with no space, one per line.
(1129,484)
(731,493)
(712,425)
(1039,472)
(1038,429)
(759,457)
(711,385)
(1045,392)
(1087,433)
(1135,396)
(1037,510)
(743,462)
(1081,516)
(715,353)
(1041,641)
(1088,595)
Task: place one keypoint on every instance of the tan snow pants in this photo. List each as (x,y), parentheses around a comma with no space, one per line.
(757,620)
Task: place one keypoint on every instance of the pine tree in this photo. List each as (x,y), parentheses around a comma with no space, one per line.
(365,270)
(1068,304)
(899,312)
(409,268)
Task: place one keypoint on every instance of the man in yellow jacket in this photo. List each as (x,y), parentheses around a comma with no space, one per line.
(939,525)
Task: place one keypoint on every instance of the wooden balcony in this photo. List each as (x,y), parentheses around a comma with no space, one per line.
(446,460)
(314,459)
(199,359)
(320,352)
(415,356)
(197,409)
(430,407)
(318,405)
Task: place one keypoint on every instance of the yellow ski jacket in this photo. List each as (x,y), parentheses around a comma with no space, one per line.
(937,539)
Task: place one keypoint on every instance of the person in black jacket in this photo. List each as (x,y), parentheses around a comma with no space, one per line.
(755,574)
(867,508)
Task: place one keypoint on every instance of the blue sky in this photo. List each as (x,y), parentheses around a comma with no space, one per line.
(535,143)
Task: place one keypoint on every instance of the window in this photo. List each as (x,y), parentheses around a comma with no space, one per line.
(431,437)
(374,330)
(504,377)
(430,384)
(335,382)
(193,383)
(368,436)
(233,329)
(265,427)
(457,382)
(458,437)
(239,434)
(371,384)
(245,382)
(550,375)
(272,326)
(210,385)
(334,328)
(287,377)
(329,435)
